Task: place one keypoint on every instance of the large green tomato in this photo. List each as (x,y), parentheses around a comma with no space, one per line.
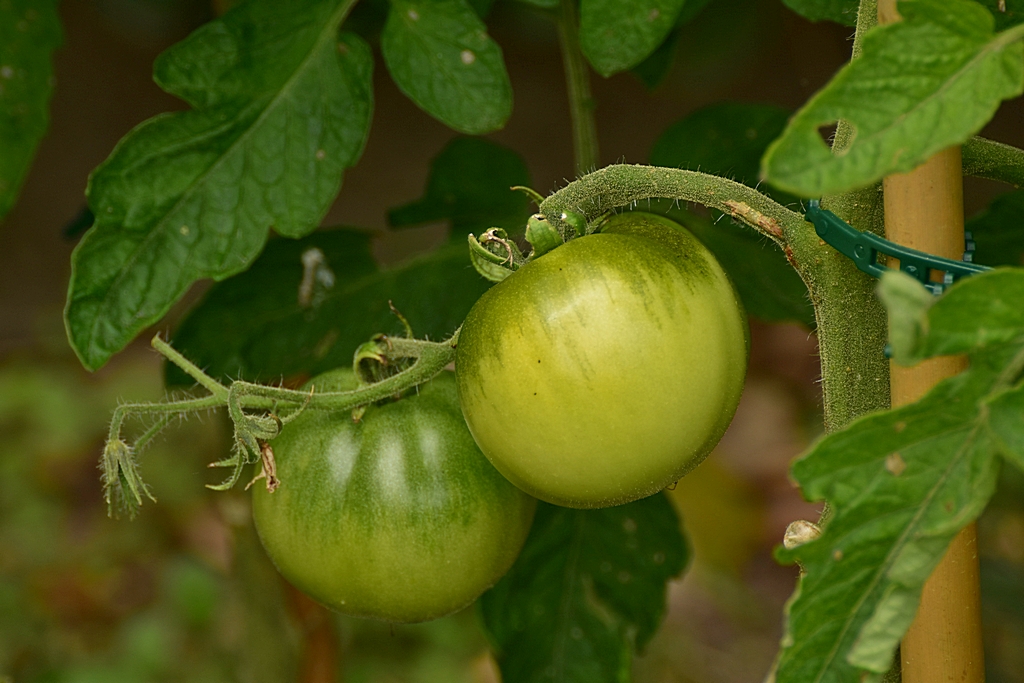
(398,517)
(606,369)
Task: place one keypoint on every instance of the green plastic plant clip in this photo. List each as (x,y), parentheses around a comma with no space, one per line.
(863,249)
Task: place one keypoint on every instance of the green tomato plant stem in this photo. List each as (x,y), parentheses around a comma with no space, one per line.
(430,358)
(577,82)
(852,324)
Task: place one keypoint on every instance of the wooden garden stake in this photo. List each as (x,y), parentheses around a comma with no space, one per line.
(924,211)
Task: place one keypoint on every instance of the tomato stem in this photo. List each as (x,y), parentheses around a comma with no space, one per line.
(190,368)
(577,83)
(252,429)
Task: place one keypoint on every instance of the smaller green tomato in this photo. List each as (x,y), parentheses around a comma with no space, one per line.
(397,517)
(606,369)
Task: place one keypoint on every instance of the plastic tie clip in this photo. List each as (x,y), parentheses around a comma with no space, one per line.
(863,248)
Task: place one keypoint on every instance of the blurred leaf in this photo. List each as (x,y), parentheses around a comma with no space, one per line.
(29,33)
(587,592)
(282,107)
(902,483)
(1002,588)
(1007,424)
(729,139)
(999,231)
(469,185)
(481,7)
(305,306)
(440,56)
(1007,12)
(840,11)
(367,19)
(691,8)
(724,517)
(920,85)
(544,4)
(269,646)
(653,70)
(616,35)
(193,591)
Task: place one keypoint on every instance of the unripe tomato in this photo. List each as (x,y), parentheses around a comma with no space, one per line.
(606,369)
(398,517)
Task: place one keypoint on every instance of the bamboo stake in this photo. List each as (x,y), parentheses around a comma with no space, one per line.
(924,210)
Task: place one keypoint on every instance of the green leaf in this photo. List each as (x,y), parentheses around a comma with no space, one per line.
(653,70)
(840,11)
(29,32)
(305,305)
(902,483)
(440,56)
(587,592)
(729,139)
(469,186)
(919,86)
(481,7)
(616,35)
(1005,411)
(1007,12)
(999,231)
(282,107)
(981,312)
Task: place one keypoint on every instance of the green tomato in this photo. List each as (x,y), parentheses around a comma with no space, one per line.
(606,369)
(397,517)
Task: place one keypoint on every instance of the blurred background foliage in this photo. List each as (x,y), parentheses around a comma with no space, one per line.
(185,592)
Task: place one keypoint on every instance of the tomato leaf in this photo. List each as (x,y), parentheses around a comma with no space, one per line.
(1007,12)
(616,35)
(469,186)
(544,4)
(29,32)
(902,483)
(728,140)
(282,107)
(982,313)
(840,11)
(656,66)
(587,592)
(440,56)
(305,305)
(920,85)
(999,233)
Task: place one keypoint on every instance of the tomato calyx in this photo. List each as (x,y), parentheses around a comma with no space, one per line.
(496,256)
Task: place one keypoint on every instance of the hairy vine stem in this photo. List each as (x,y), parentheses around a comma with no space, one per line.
(577,83)
(124,488)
